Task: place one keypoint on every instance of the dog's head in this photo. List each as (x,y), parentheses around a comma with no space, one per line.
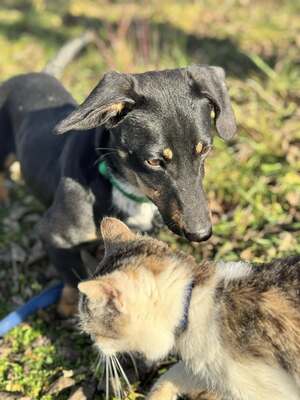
(160,125)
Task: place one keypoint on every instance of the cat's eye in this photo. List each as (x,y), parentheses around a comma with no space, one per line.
(154,163)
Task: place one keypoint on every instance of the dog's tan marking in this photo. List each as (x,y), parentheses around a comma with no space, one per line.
(10,159)
(91,236)
(8,162)
(122,154)
(68,302)
(3,190)
(151,193)
(168,154)
(175,212)
(198,148)
(117,107)
(15,172)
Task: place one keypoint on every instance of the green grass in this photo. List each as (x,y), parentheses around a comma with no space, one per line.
(253,183)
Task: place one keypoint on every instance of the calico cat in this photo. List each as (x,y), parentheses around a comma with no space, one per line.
(234,325)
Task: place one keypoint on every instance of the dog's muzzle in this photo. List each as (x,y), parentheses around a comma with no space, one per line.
(198,236)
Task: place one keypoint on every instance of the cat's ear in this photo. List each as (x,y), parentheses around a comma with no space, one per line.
(92,289)
(102,289)
(114,231)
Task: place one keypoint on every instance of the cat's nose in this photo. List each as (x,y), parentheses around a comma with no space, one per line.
(199,236)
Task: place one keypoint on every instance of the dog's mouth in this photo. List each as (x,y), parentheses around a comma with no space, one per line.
(201,235)
(198,236)
(188,221)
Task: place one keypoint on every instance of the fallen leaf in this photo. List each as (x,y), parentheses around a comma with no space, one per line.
(84,392)
(61,384)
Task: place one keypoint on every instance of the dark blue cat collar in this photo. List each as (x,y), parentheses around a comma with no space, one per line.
(187,301)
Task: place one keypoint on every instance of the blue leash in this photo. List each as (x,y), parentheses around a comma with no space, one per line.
(42,300)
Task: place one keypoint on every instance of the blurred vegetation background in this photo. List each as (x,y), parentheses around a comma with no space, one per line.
(253,183)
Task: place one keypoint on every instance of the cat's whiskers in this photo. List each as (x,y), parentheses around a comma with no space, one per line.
(107,378)
(99,364)
(105,148)
(123,375)
(134,365)
(111,375)
(122,372)
(117,382)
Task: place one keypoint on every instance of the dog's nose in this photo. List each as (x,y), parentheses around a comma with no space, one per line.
(199,236)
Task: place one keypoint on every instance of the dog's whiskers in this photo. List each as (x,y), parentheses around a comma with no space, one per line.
(105,148)
(77,275)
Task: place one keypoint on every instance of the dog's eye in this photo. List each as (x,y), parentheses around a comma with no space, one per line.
(202,149)
(154,163)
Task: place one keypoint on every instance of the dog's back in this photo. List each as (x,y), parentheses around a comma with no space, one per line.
(6,136)
(28,93)
(30,106)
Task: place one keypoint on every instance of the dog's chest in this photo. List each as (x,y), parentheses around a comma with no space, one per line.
(139,216)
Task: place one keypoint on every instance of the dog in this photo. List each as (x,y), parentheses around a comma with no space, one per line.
(135,149)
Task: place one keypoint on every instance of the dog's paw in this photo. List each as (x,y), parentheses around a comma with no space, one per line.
(68,302)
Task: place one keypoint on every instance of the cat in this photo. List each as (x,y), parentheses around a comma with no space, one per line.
(234,325)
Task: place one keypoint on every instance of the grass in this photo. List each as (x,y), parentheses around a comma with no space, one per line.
(253,183)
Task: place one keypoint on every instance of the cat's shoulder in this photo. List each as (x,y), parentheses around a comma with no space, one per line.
(232,270)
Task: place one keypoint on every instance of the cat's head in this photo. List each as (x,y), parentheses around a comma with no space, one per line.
(136,300)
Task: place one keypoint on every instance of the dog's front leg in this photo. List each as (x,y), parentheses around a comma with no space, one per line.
(65,227)
(69,265)
(178,380)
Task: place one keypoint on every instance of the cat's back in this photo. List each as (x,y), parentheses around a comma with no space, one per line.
(282,275)
(259,312)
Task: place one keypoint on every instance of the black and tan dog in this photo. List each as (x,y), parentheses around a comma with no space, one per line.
(136,148)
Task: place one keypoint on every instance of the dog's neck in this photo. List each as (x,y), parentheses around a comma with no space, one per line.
(138,215)
(122,187)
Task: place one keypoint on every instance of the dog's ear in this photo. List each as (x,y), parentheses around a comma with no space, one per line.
(210,82)
(108,103)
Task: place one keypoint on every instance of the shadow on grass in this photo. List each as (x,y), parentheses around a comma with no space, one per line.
(31,26)
(151,40)
(150,37)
